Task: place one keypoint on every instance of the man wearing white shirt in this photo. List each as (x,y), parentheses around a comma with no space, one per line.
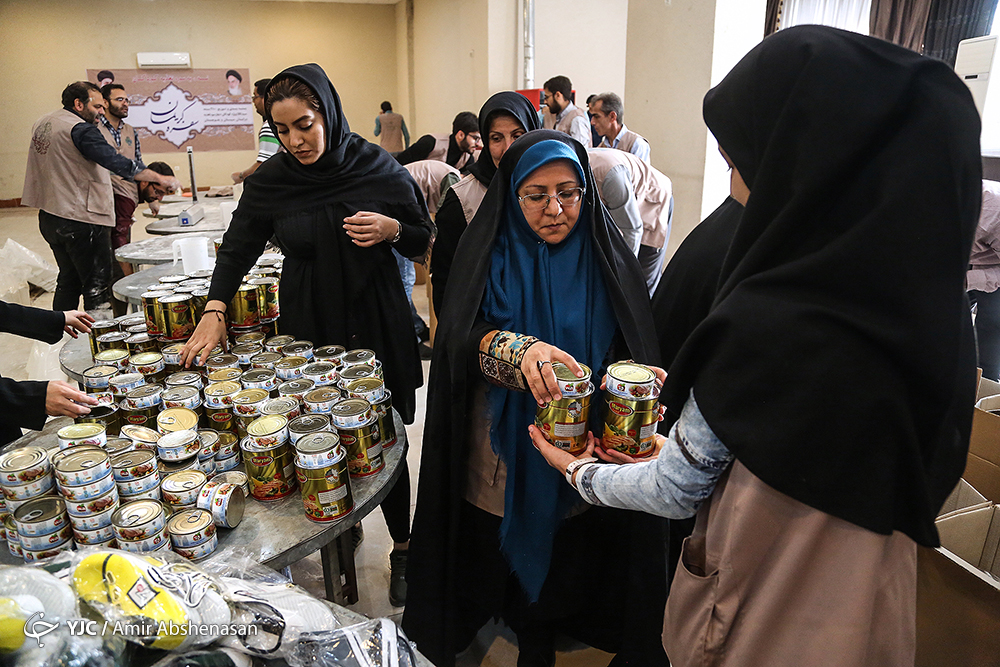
(563,115)
(608,118)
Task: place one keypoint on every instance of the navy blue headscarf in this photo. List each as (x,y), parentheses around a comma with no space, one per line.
(557,294)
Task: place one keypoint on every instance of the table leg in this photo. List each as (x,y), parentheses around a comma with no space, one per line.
(339,573)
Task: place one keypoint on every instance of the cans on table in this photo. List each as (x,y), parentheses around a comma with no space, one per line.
(270,469)
(184,379)
(298,348)
(221,394)
(321,400)
(260,378)
(296,388)
(267,297)
(141,342)
(322,373)
(116,358)
(178,445)
(24,465)
(41,516)
(145,396)
(227,504)
(140,520)
(245,351)
(105,414)
(227,374)
(360,356)
(118,445)
(355,372)
(182,488)
(371,389)
(172,356)
(290,368)
(332,353)
(183,396)
(276,343)
(82,465)
(176,419)
(244,310)
(234,477)
(95,382)
(114,340)
(251,338)
(124,383)
(143,436)
(99,328)
(153,311)
(78,493)
(177,316)
(358,430)
(265,360)
(247,402)
(192,528)
(386,422)
(326,490)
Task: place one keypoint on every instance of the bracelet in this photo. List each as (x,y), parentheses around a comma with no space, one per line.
(399,232)
(221,313)
(575,465)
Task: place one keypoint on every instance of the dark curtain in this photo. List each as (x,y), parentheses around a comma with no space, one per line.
(772,18)
(951,21)
(901,22)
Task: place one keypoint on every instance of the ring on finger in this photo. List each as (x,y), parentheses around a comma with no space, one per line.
(540,364)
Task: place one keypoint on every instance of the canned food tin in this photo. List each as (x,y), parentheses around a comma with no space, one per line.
(114,340)
(92,537)
(129,320)
(99,328)
(267,296)
(221,394)
(332,353)
(245,351)
(270,470)
(15,549)
(630,425)
(322,400)
(105,414)
(205,495)
(564,422)
(82,467)
(322,373)
(244,311)
(114,358)
(23,465)
(167,467)
(138,485)
(355,372)
(182,488)
(364,447)
(298,348)
(296,388)
(385,420)
(177,316)
(207,466)
(228,502)
(286,406)
(209,443)
(145,417)
(117,446)
(176,419)
(96,377)
(355,357)
(38,542)
(220,419)
(265,360)
(351,413)
(275,343)
(10,529)
(268,431)
(371,389)
(569,384)
(200,551)
(227,463)
(133,465)
(140,342)
(184,396)
(33,489)
(143,436)
(122,384)
(93,521)
(247,402)
(12,505)
(174,279)
(93,505)
(184,379)
(178,445)
(191,527)
(139,520)
(260,378)
(82,434)
(316,450)
(139,328)
(326,492)
(148,364)
(172,355)
(234,477)
(151,494)
(224,375)
(47,553)
(631,381)
(153,312)
(144,545)
(290,368)
(146,396)
(56,456)
(255,337)
(82,492)
(40,516)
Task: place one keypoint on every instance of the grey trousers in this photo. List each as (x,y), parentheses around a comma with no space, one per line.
(651,263)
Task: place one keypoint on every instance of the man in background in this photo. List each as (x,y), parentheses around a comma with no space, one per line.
(455,149)
(608,118)
(563,115)
(68,178)
(267,144)
(392,129)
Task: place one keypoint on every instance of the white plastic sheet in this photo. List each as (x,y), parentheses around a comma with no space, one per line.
(23,265)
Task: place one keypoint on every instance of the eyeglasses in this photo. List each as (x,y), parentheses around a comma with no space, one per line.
(540,201)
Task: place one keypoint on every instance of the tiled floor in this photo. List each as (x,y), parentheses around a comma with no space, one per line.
(494,647)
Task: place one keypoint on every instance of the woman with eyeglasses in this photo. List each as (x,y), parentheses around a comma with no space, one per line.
(548,278)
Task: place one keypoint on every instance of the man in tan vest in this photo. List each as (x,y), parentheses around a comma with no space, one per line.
(562,114)
(392,128)
(68,180)
(456,149)
(608,118)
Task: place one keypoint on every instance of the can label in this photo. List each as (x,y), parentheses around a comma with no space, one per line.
(326,492)
(364,451)
(271,473)
(630,426)
(564,422)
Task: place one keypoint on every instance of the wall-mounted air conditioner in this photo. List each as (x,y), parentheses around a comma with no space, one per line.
(174,60)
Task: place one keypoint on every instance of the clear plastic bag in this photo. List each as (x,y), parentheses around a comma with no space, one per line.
(21,264)
(375,643)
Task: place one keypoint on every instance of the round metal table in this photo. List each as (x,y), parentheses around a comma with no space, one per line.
(159,250)
(130,288)
(212,222)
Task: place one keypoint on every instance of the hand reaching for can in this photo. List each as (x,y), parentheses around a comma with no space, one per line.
(537,368)
(77,322)
(211,331)
(63,400)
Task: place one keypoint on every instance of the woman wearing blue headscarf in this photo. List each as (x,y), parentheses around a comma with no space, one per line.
(547,277)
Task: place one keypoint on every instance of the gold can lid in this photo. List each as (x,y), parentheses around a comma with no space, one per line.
(100,372)
(317,443)
(267,425)
(140,433)
(563,372)
(57,456)
(321,395)
(133,458)
(364,385)
(189,521)
(23,458)
(84,459)
(309,423)
(110,355)
(137,513)
(145,358)
(247,348)
(291,362)
(352,407)
(630,372)
(250,396)
(185,480)
(252,337)
(223,375)
(226,438)
(224,388)
(75,431)
(177,419)
(40,510)
(279,406)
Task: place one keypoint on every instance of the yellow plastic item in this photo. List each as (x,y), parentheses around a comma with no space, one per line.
(11,626)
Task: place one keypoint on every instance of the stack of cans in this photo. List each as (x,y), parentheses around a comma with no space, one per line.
(357,427)
(225,500)
(321,469)
(633,413)
(228,455)
(25,474)
(209,441)
(136,475)
(269,458)
(141,527)
(86,480)
(193,533)
(43,529)
(82,434)
(180,489)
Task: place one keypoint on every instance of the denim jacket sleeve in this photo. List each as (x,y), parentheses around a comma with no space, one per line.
(675,484)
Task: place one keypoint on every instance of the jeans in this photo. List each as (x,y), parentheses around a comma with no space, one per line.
(408,273)
(987,331)
(83,255)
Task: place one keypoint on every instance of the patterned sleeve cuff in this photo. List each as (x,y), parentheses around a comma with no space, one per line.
(585,483)
(500,355)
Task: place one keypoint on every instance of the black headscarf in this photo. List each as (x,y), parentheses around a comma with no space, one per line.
(838,363)
(507,103)
(351,169)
